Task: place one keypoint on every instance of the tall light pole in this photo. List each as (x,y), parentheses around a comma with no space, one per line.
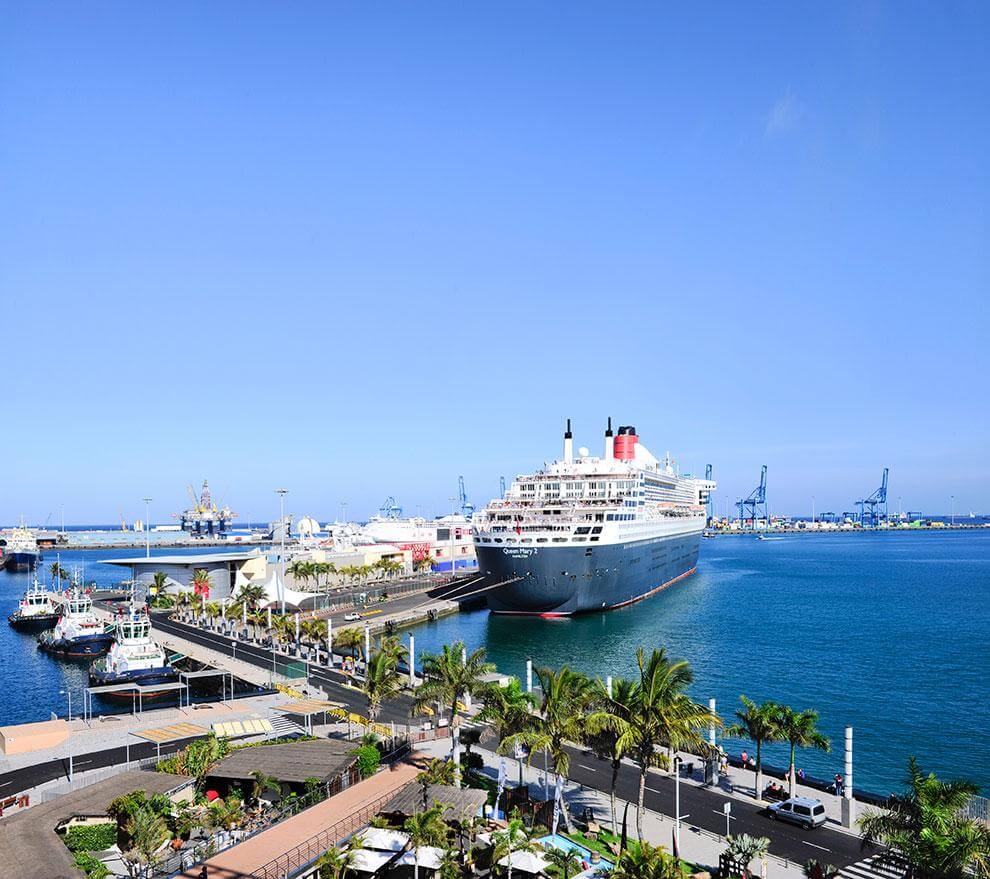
(812,509)
(281,492)
(147,527)
(952,499)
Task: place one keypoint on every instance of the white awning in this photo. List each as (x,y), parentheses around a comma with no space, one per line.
(384,840)
(429,857)
(527,862)
(370,861)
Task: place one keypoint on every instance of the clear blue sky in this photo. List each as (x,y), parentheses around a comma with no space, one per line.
(360,249)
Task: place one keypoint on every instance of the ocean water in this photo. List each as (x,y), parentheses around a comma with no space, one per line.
(889,633)
(36,684)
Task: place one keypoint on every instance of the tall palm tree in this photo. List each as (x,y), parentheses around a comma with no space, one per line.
(799,729)
(509,710)
(436,772)
(337,862)
(565,863)
(425,828)
(515,838)
(759,724)
(158,582)
(201,583)
(645,861)
(567,695)
(924,828)
(744,849)
(382,681)
(147,831)
(658,714)
(448,679)
(252,594)
(604,738)
(350,639)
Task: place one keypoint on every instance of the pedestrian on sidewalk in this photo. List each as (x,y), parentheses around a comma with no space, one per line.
(839,787)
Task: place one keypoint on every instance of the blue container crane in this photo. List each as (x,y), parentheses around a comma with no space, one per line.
(501,485)
(873,509)
(390,509)
(467,508)
(757,499)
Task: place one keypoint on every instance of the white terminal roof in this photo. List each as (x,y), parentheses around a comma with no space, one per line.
(204,558)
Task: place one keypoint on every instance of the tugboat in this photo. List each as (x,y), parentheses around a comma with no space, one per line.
(36,611)
(134,657)
(78,632)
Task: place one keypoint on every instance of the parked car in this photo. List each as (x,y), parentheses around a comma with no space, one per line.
(352,616)
(803,811)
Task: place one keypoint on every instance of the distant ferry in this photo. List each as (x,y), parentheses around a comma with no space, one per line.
(21,551)
(37,610)
(591,533)
(134,657)
(424,537)
(78,632)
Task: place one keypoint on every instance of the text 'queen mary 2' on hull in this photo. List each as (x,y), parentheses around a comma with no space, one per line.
(589,533)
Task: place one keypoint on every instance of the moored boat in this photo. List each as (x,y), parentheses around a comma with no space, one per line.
(134,657)
(78,631)
(20,551)
(36,611)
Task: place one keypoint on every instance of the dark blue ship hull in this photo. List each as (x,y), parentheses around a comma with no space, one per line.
(560,581)
(90,645)
(21,561)
(33,624)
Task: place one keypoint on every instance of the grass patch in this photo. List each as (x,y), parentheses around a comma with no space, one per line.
(93,868)
(91,838)
(606,837)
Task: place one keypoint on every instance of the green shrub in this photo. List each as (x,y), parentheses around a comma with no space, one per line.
(93,868)
(92,838)
(368,760)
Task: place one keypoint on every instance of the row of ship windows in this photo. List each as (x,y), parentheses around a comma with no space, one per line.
(538,539)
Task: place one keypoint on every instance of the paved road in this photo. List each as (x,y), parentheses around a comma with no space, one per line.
(702,807)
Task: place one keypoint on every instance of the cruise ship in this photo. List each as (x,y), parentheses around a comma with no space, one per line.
(591,533)
(20,552)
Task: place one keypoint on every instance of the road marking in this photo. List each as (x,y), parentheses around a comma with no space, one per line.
(589,768)
(656,790)
(81,762)
(816,846)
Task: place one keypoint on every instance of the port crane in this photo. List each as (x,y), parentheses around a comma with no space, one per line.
(757,499)
(501,486)
(390,509)
(467,508)
(873,509)
(708,504)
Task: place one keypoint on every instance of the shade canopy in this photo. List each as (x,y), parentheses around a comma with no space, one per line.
(527,862)
(384,840)
(369,861)
(429,857)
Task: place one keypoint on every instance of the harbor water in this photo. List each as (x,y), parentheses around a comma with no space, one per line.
(887,632)
(37,684)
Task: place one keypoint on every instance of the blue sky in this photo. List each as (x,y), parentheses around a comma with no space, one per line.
(358,250)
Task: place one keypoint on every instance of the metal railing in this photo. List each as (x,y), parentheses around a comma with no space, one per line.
(306,853)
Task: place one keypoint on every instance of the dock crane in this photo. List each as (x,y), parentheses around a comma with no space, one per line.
(467,508)
(708,503)
(501,486)
(390,509)
(757,498)
(873,509)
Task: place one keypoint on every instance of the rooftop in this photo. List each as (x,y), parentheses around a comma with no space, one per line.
(293,762)
(29,846)
(461,803)
(204,558)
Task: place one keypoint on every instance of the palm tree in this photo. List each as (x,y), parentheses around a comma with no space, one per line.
(759,724)
(515,838)
(352,640)
(425,828)
(263,783)
(645,861)
(799,729)
(258,621)
(604,738)
(201,583)
(450,676)
(563,862)
(509,710)
(158,582)
(744,849)
(567,695)
(450,865)
(147,831)
(336,862)
(226,813)
(252,594)
(924,828)
(436,772)
(657,713)
(382,681)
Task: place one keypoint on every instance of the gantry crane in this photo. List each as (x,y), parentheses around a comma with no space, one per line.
(757,499)
(873,509)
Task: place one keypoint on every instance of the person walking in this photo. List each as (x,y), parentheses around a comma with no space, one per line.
(838,785)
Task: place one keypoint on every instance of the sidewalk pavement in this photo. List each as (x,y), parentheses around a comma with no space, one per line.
(698,846)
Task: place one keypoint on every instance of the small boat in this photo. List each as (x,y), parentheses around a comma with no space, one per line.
(36,611)
(78,632)
(764,537)
(134,657)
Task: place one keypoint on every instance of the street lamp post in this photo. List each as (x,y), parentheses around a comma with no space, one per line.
(677,805)
(952,498)
(68,694)
(282,492)
(147,527)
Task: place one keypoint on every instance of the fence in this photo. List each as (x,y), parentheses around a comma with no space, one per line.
(978,809)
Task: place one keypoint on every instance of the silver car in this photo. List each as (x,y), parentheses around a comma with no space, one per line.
(803,811)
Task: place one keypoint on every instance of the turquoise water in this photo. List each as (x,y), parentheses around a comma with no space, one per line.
(568,845)
(889,633)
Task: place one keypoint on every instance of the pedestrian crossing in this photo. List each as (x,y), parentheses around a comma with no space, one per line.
(868,868)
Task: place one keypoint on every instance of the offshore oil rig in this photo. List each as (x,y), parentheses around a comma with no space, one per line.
(204,518)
